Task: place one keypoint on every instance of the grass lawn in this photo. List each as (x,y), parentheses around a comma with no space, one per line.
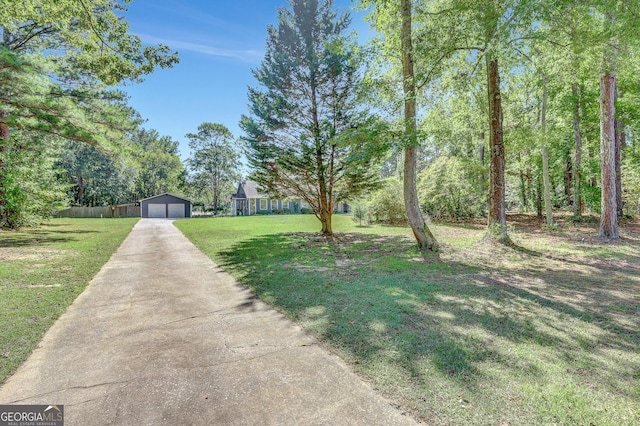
(42,271)
(545,334)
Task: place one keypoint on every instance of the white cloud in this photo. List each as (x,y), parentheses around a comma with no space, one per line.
(247,55)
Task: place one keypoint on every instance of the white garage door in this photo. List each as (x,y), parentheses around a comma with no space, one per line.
(176,210)
(158,210)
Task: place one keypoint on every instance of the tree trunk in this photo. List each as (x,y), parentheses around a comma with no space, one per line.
(608,215)
(80,183)
(577,211)
(4,141)
(497,212)
(481,155)
(568,177)
(325,219)
(593,182)
(618,159)
(523,191)
(545,156)
(539,192)
(547,185)
(421,231)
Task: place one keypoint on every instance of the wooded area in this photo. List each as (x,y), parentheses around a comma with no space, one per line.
(478,108)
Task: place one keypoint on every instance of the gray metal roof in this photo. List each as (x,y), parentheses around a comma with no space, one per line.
(161,195)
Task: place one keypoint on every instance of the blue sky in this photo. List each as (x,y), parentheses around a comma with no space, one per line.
(219,42)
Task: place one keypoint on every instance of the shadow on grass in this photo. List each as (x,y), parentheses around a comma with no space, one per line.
(368,297)
(38,237)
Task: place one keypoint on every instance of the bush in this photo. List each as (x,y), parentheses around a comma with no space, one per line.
(306,211)
(264,212)
(631,182)
(33,191)
(450,190)
(360,213)
(387,204)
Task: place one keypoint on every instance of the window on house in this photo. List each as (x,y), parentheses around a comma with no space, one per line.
(263,204)
(274,204)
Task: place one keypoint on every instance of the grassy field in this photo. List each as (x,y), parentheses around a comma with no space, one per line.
(547,333)
(42,271)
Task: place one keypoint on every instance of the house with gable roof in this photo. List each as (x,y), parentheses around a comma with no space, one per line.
(249,200)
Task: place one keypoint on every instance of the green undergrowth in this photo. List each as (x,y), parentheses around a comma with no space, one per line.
(42,271)
(546,332)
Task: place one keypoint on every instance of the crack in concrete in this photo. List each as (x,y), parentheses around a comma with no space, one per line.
(70,388)
(245,359)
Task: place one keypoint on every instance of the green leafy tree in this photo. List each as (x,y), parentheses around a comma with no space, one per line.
(160,167)
(395,21)
(214,161)
(421,231)
(450,185)
(98,178)
(31,184)
(55,59)
(90,34)
(307,136)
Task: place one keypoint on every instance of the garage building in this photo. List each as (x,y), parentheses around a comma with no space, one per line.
(165,206)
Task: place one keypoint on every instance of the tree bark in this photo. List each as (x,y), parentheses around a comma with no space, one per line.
(325,219)
(618,166)
(593,181)
(545,156)
(539,191)
(577,211)
(4,140)
(497,211)
(424,237)
(568,177)
(608,214)
(80,183)
(481,158)
(523,191)
(547,185)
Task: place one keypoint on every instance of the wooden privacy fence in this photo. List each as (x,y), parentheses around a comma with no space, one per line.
(105,211)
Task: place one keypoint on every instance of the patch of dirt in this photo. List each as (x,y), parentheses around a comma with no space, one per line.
(10,253)
(42,286)
(304,268)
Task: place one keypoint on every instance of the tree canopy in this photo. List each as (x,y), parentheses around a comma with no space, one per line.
(307,135)
(215,163)
(56,61)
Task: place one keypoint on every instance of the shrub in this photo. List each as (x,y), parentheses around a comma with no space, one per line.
(306,211)
(360,213)
(387,204)
(631,182)
(264,212)
(450,189)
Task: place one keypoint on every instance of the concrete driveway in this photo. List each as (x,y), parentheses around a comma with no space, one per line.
(162,336)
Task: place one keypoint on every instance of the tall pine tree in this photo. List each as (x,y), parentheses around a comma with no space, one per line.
(306,136)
